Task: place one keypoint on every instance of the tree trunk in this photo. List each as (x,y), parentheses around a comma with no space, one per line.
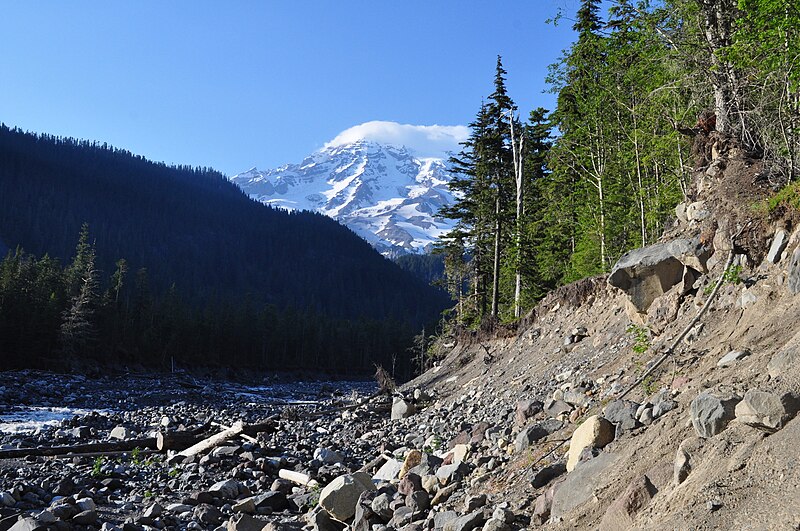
(496,268)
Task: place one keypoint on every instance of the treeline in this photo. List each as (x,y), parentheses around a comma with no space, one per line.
(67,317)
(227,279)
(564,194)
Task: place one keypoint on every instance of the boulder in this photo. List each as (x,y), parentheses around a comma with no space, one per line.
(525,410)
(785,362)
(621,413)
(467,522)
(711,414)
(228,489)
(682,466)
(647,273)
(595,432)
(245,522)
(579,486)
(554,408)
(793,277)
(402,409)
(766,411)
(778,245)
(340,496)
(547,474)
(327,456)
(119,432)
(389,471)
(413,458)
(535,432)
(622,511)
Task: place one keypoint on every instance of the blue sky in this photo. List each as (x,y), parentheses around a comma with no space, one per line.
(239,84)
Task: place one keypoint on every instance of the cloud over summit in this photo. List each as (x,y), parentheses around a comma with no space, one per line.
(423,140)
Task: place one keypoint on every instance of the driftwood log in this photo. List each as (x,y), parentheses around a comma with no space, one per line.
(109,446)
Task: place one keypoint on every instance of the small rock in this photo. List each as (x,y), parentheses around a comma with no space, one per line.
(778,245)
(732,357)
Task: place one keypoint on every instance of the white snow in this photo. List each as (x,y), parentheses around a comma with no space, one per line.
(385,192)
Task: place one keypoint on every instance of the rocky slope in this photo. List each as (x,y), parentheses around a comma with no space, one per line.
(518,428)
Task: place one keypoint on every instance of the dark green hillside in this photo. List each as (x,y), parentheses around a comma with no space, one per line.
(189,235)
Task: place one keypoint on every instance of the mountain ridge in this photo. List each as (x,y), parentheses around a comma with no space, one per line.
(383,192)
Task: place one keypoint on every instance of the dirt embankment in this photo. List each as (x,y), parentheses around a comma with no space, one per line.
(675,461)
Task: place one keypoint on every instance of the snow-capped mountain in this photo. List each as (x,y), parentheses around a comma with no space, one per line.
(385,193)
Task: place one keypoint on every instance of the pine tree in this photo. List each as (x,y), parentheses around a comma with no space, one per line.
(78,330)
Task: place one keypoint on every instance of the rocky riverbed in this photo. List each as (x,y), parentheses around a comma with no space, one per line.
(323,454)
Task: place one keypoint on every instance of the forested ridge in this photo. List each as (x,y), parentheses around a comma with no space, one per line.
(176,262)
(643,96)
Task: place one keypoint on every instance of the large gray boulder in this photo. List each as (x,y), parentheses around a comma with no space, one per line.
(765,411)
(711,413)
(580,484)
(647,273)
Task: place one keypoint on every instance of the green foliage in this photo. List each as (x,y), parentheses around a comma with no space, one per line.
(97,466)
(787,197)
(649,385)
(136,456)
(641,337)
(733,274)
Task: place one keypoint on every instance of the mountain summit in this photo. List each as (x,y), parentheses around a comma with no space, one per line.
(386,192)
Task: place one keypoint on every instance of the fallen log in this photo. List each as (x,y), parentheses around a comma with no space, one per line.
(175,440)
(297,477)
(108,446)
(213,441)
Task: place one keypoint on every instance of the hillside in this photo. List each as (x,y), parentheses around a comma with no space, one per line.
(192,233)
(678,455)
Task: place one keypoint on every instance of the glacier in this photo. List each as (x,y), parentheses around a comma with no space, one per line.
(385,193)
